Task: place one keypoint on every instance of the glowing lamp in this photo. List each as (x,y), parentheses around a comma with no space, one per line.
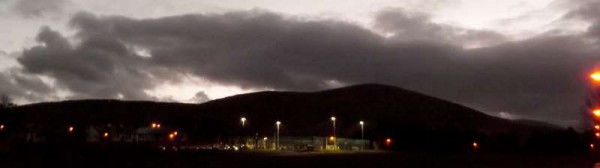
(154,125)
(596,112)
(388,141)
(595,76)
(243,119)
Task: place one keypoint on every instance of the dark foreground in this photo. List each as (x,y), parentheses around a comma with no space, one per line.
(121,157)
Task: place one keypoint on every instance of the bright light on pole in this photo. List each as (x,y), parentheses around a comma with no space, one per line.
(243,119)
(362,133)
(335,140)
(277,138)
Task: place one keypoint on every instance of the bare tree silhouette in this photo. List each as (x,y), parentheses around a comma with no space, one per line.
(6,101)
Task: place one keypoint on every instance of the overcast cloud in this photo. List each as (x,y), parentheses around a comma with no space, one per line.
(114,56)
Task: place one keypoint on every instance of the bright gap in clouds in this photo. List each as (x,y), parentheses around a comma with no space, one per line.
(186,89)
(517,19)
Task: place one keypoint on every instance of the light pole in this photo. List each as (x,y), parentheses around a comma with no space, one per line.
(335,138)
(243,120)
(277,138)
(362,134)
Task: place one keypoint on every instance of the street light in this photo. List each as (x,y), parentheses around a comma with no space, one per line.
(243,119)
(242,133)
(388,141)
(335,140)
(362,133)
(154,125)
(277,138)
(71,129)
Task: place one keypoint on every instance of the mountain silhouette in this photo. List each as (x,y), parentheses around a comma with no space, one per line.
(386,110)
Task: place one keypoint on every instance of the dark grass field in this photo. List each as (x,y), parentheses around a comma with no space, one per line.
(122,157)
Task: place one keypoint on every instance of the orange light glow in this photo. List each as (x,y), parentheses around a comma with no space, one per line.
(154,125)
(597,134)
(592,146)
(475,145)
(1,127)
(175,133)
(105,135)
(71,129)
(597,127)
(595,76)
(388,141)
(596,112)
(171,136)
(332,138)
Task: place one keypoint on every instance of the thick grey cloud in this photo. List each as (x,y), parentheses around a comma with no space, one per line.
(99,67)
(411,26)
(588,10)
(24,86)
(539,77)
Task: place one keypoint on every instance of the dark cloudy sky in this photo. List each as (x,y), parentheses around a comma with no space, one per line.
(511,58)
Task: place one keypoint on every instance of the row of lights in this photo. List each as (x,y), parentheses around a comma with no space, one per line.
(277,123)
(388,141)
(174,134)
(153,125)
(596,111)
